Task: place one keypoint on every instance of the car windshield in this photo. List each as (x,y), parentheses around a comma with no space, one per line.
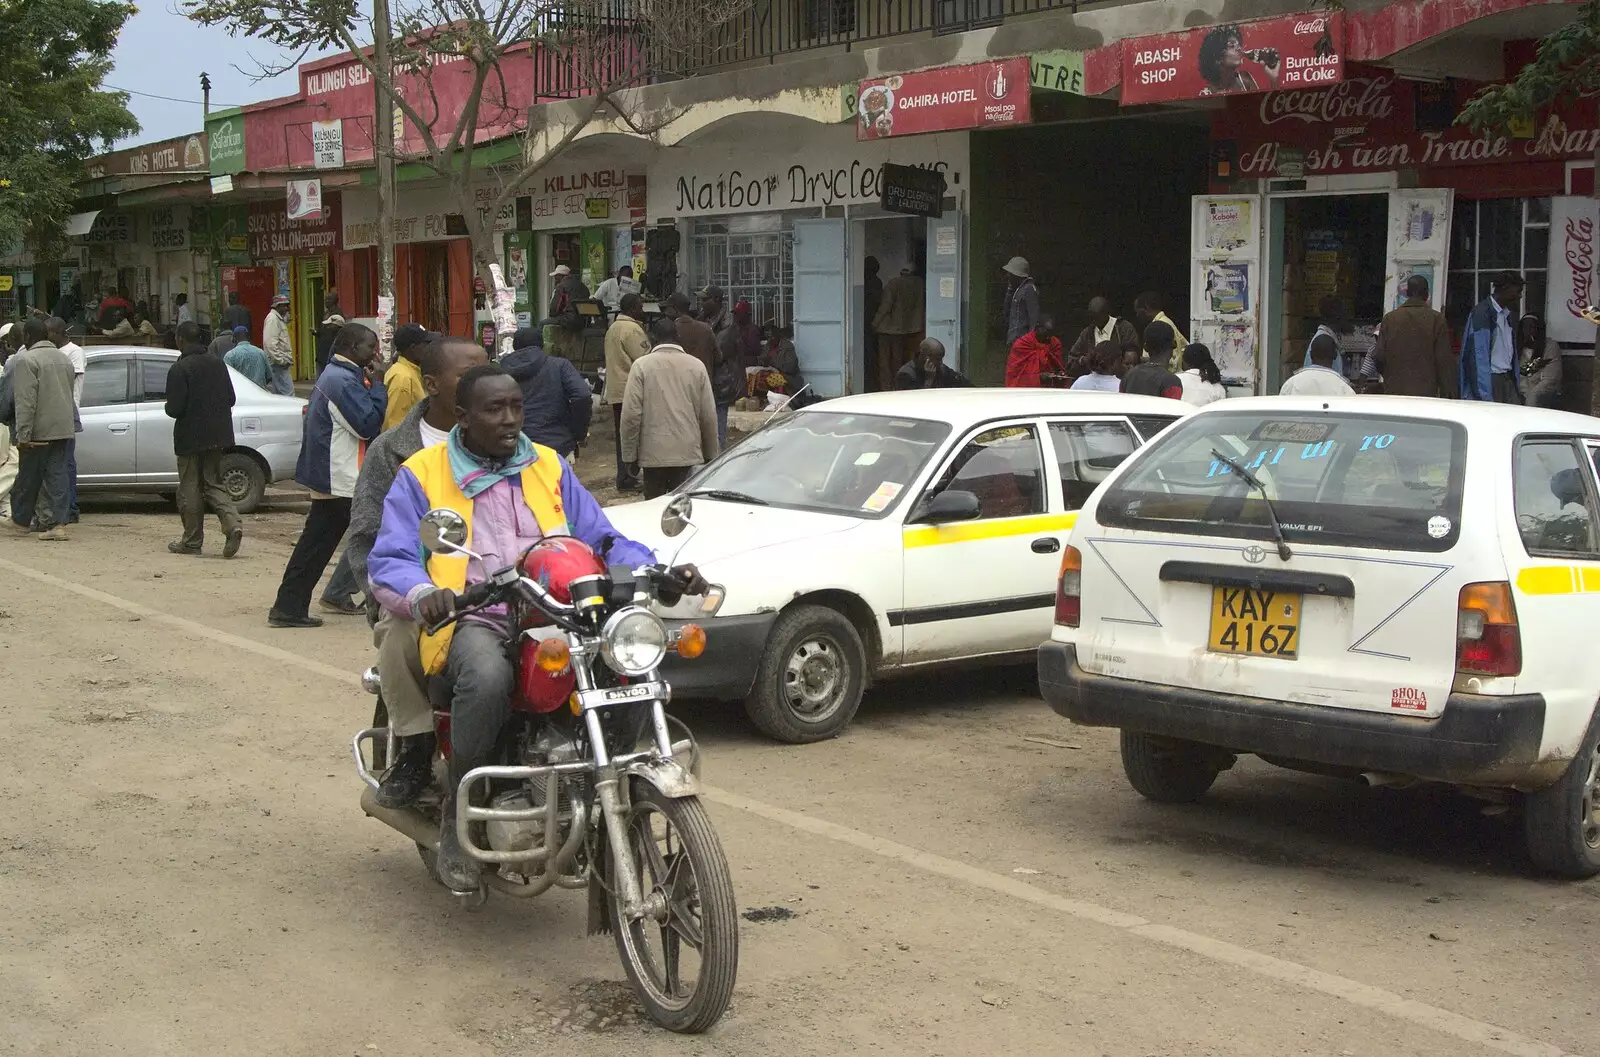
(1356,480)
(837,463)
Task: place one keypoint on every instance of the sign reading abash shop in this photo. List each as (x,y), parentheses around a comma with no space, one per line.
(946,99)
(755,177)
(1236,58)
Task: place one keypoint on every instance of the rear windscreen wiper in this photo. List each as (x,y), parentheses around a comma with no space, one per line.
(1255,482)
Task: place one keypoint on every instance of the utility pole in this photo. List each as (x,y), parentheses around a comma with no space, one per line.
(205,97)
(383,127)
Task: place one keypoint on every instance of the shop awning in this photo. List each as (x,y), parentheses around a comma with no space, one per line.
(80,223)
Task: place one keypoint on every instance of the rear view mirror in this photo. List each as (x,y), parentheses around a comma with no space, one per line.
(442,531)
(949,505)
(676,516)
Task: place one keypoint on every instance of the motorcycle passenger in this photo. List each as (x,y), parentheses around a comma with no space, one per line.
(442,362)
(512,493)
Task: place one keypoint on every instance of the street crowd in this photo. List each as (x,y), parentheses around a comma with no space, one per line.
(670,380)
(1502,357)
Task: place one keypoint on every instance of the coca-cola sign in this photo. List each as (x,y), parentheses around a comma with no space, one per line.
(1369,123)
(1574,281)
(1357,99)
(1238,58)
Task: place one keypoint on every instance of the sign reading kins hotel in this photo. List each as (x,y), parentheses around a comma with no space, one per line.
(954,97)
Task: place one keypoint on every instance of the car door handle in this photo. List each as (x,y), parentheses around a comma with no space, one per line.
(119,427)
(1046,545)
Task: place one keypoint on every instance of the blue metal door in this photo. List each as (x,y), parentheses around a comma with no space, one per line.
(819,304)
(944,287)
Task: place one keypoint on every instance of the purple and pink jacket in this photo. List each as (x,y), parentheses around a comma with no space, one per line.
(502,528)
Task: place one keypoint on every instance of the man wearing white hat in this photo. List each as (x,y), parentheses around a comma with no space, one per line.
(1022,300)
(279,346)
(566,325)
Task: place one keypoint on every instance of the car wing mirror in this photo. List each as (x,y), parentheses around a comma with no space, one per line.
(953,504)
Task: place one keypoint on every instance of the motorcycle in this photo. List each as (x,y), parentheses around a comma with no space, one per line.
(591,790)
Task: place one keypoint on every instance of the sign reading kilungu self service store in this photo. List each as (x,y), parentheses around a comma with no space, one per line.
(1294,51)
(944,100)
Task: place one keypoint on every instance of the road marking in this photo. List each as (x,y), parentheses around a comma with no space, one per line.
(1366,996)
(195,628)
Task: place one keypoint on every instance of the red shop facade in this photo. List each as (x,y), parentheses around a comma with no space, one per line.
(1345,191)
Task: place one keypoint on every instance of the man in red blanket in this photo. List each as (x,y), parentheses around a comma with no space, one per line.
(1035,353)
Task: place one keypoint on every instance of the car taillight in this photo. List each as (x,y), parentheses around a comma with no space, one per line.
(1069,588)
(1487,639)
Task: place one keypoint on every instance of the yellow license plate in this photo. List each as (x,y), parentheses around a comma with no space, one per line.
(1261,623)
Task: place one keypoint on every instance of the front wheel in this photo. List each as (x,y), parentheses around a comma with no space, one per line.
(811,676)
(683,954)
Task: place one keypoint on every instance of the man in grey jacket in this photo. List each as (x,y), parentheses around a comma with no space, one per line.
(41,384)
(399,664)
(669,417)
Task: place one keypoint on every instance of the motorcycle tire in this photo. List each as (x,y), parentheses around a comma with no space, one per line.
(709,911)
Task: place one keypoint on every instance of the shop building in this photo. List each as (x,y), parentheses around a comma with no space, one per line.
(1105,182)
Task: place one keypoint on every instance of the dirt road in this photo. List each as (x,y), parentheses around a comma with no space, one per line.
(186,870)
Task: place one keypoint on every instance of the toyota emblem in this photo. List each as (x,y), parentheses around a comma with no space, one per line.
(1255,554)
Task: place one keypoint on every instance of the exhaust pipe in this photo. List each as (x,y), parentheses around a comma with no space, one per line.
(412,823)
(1375,779)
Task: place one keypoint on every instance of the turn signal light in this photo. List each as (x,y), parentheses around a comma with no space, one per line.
(1488,641)
(1069,588)
(691,641)
(553,655)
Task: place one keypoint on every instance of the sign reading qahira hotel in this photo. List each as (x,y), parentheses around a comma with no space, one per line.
(943,100)
(1294,51)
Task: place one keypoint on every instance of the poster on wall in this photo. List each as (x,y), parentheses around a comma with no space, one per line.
(952,97)
(1229,225)
(1294,51)
(305,200)
(1404,273)
(327,144)
(1574,268)
(1236,353)
(1228,287)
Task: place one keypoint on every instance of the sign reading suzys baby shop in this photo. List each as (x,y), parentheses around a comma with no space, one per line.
(946,99)
(1294,51)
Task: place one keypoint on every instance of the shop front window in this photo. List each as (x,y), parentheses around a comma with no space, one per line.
(1493,235)
(751,257)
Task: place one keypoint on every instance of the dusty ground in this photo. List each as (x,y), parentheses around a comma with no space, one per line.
(186,871)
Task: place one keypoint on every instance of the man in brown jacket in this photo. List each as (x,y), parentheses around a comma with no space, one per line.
(1413,351)
(669,418)
(625,346)
(40,377)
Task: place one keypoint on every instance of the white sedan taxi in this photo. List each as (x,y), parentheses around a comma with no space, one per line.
(883,532)
(1386,587)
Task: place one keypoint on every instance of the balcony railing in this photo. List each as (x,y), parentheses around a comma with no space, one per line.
(762,32)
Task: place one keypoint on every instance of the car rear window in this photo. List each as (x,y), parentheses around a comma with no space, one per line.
(1355,480)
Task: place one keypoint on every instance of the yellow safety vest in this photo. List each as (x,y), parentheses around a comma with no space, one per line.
(541,489)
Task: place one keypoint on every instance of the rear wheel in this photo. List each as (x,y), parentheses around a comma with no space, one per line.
(244,480)
(812,673)
(682,956)
(1167,770)
(1561,823)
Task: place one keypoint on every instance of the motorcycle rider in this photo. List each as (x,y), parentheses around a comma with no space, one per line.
(442,362)
(512,493)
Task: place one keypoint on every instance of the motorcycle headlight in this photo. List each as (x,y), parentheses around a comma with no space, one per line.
(633,641)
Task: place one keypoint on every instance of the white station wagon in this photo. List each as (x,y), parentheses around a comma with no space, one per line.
(1389,587)
(886,532)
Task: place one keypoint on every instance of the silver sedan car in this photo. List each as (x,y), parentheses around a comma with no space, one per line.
(126,443)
